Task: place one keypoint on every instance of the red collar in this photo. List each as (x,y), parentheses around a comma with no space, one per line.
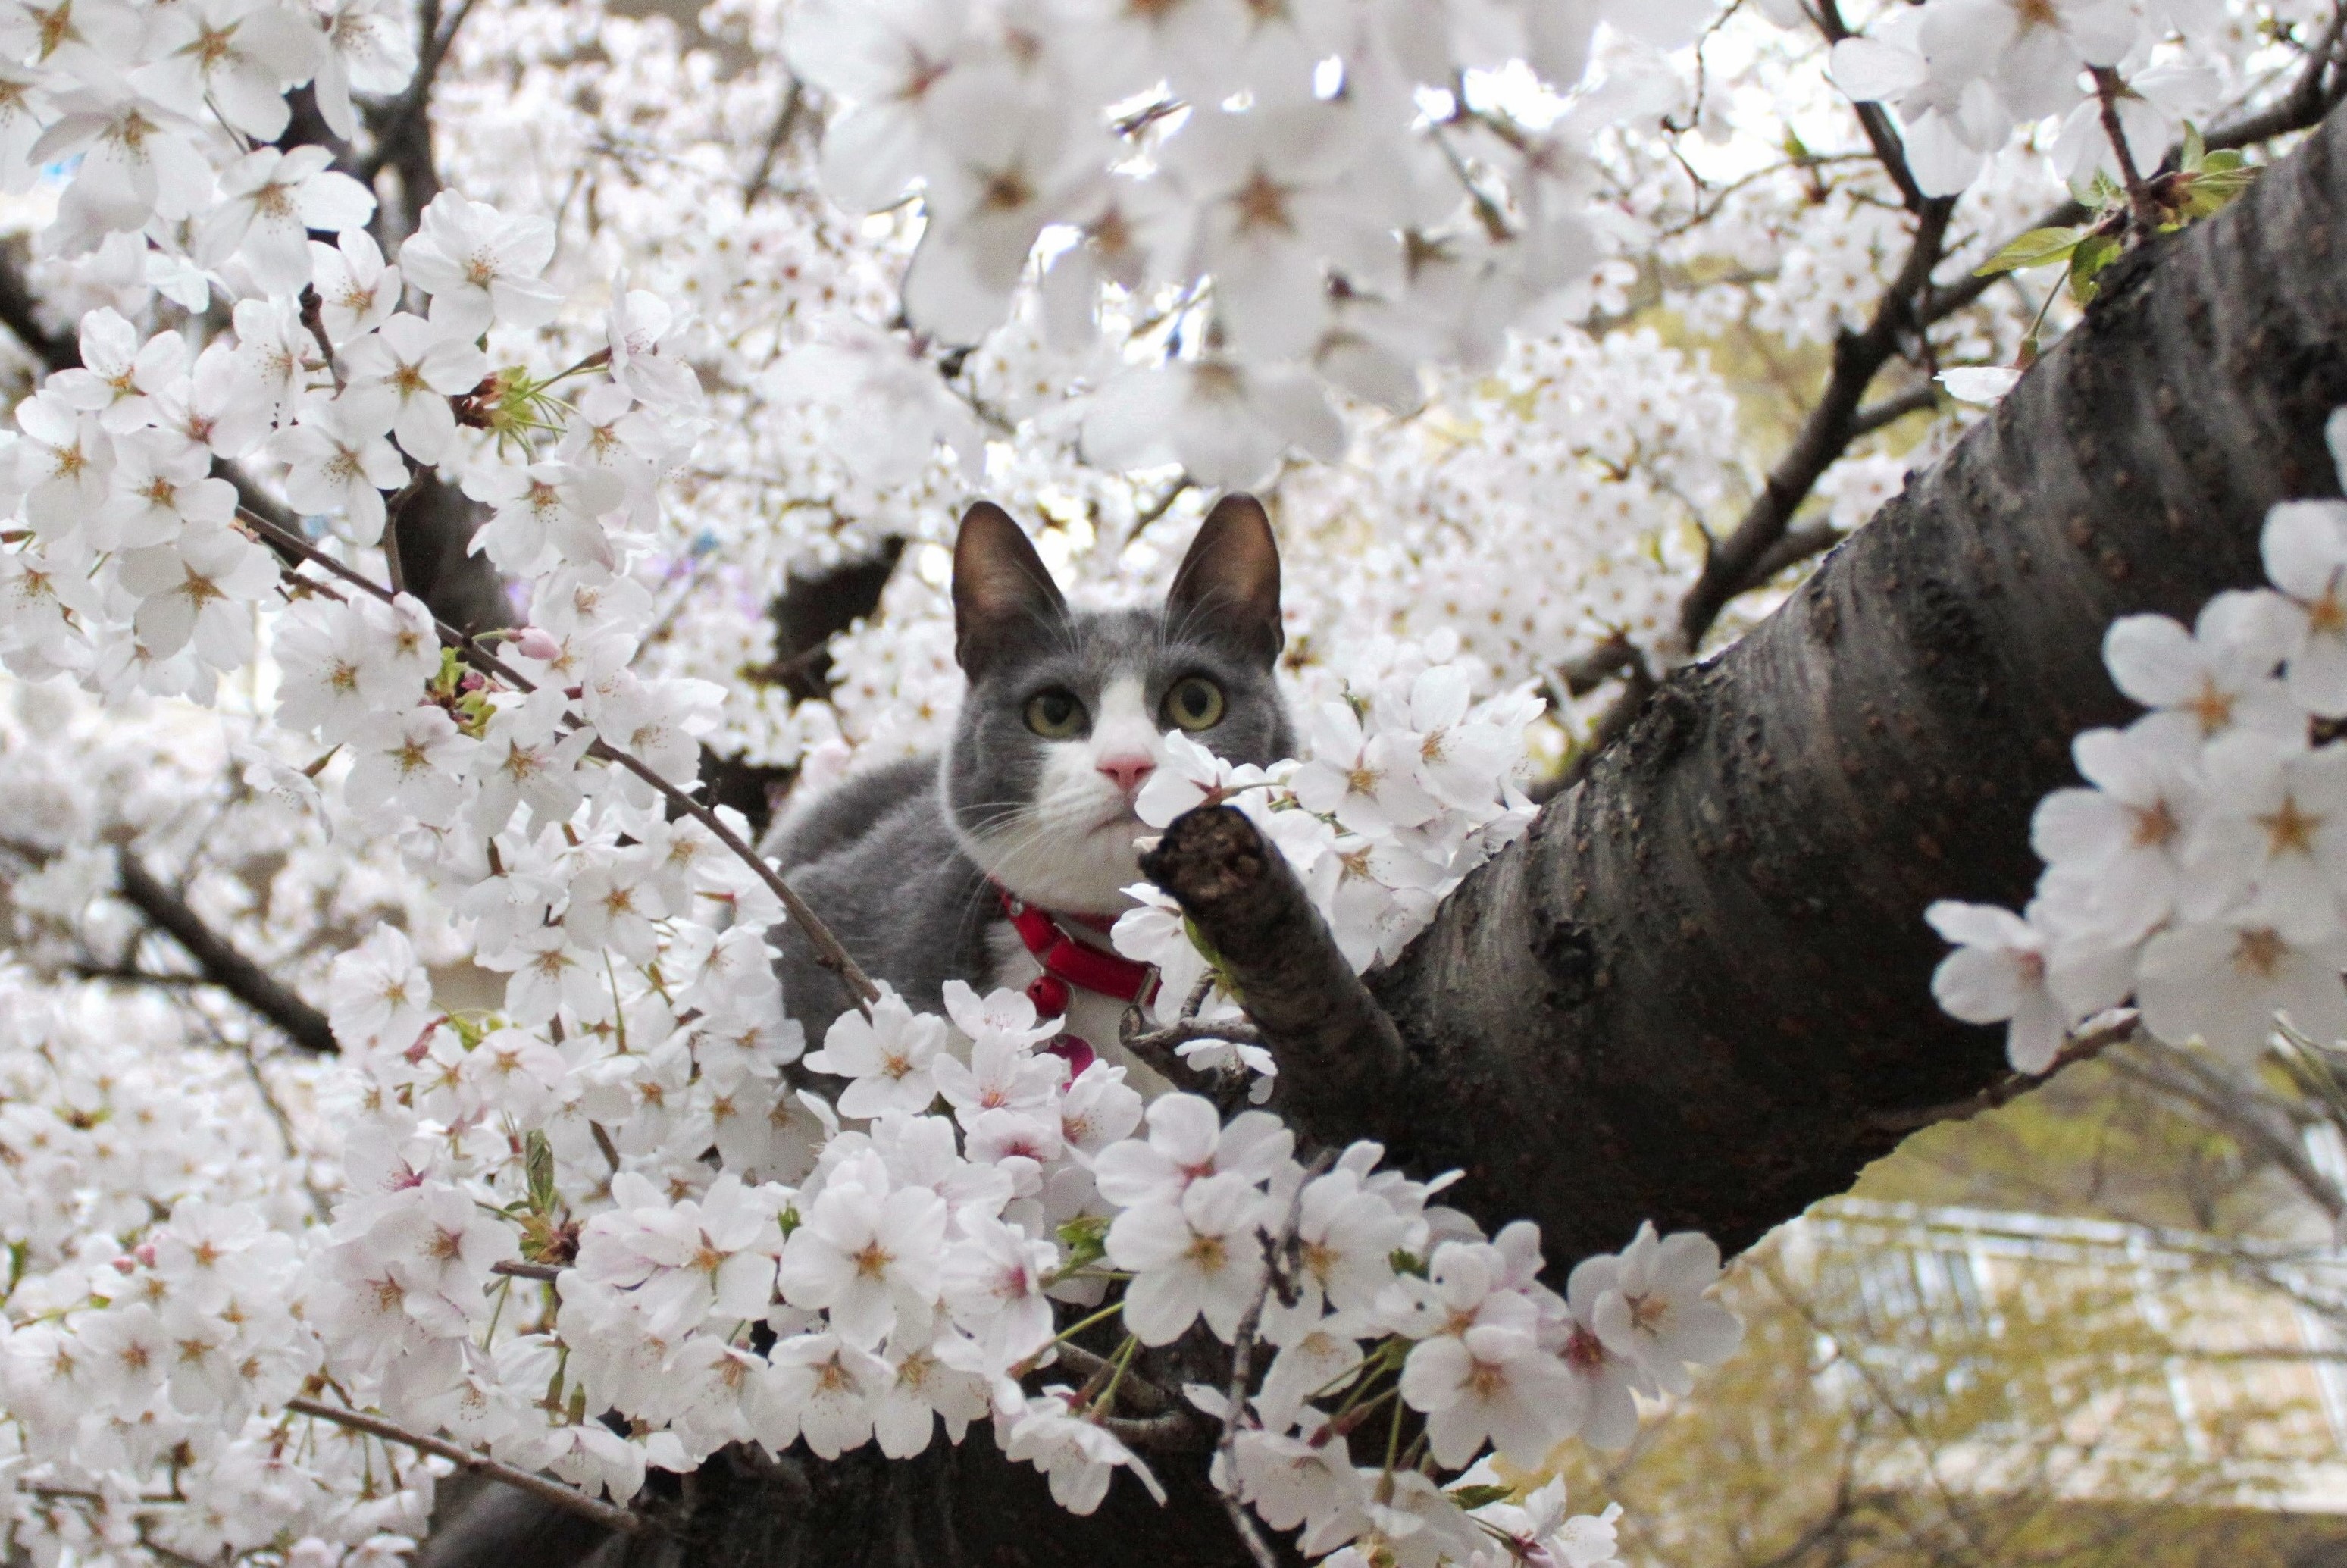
(1067,962)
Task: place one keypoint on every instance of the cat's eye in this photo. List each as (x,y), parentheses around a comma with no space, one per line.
(1195,703)
(1056,714)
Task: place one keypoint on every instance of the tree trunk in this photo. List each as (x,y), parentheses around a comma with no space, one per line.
(1698,991)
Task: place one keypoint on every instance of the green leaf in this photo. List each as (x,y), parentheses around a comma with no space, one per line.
(1085,1240)
(2094,253)
(1409,1263)
(1474,1497)
(2035,249)
(537,1161)
(2195,149)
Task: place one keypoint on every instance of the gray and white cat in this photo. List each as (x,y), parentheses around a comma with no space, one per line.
(1063,723)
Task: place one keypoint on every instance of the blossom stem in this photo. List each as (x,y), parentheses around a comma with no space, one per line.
(1103,1316)
(610,1516)
(1105,1400)
(1393,1437)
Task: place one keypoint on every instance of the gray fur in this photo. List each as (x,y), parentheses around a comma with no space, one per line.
(884,857)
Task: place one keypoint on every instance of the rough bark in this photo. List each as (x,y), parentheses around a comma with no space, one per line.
(1698,991)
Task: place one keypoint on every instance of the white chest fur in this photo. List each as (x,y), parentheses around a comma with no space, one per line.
(1092,1017)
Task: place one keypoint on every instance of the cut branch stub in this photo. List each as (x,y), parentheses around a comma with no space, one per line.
(1339,1060)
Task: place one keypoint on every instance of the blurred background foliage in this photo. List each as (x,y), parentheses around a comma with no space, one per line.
(2101,1324)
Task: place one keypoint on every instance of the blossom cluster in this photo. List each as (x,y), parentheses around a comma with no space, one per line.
(1267,198)
(1404,785)
(152,1327)
(1966,73)
(621,1189)
(2201,871)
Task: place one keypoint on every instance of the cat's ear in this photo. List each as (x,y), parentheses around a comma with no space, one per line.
(1230,580)
(1002,592)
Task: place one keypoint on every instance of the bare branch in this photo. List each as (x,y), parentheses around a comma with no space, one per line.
(1824,435)
(1797,545)
(403,127)
(221,963)
(1889,411)
(1600,664)
(1889,150)
(569,1498)
(2083,1047)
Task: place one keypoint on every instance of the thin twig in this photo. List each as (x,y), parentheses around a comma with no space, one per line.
(793,104)
(1881,135)
(1181,1031)
(1890,410)
(313,316)
(1175,1429)
(1157,1052)
(398,123)
(1592,670)
(2077,1049)
(547,1272)
(609,1515)
(1274,1272)
(2108,89)
(1797,545)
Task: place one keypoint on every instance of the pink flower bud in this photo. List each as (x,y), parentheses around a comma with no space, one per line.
(536,642)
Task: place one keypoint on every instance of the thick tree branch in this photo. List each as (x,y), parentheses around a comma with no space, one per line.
(221,963)
(1337,1053)
(1698,991)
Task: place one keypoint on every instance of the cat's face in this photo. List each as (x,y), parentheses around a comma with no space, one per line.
(1066,712)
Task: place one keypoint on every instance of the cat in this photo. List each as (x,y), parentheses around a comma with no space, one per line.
(926,869)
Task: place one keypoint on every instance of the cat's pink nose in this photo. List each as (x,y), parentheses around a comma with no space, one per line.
(1127,772)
